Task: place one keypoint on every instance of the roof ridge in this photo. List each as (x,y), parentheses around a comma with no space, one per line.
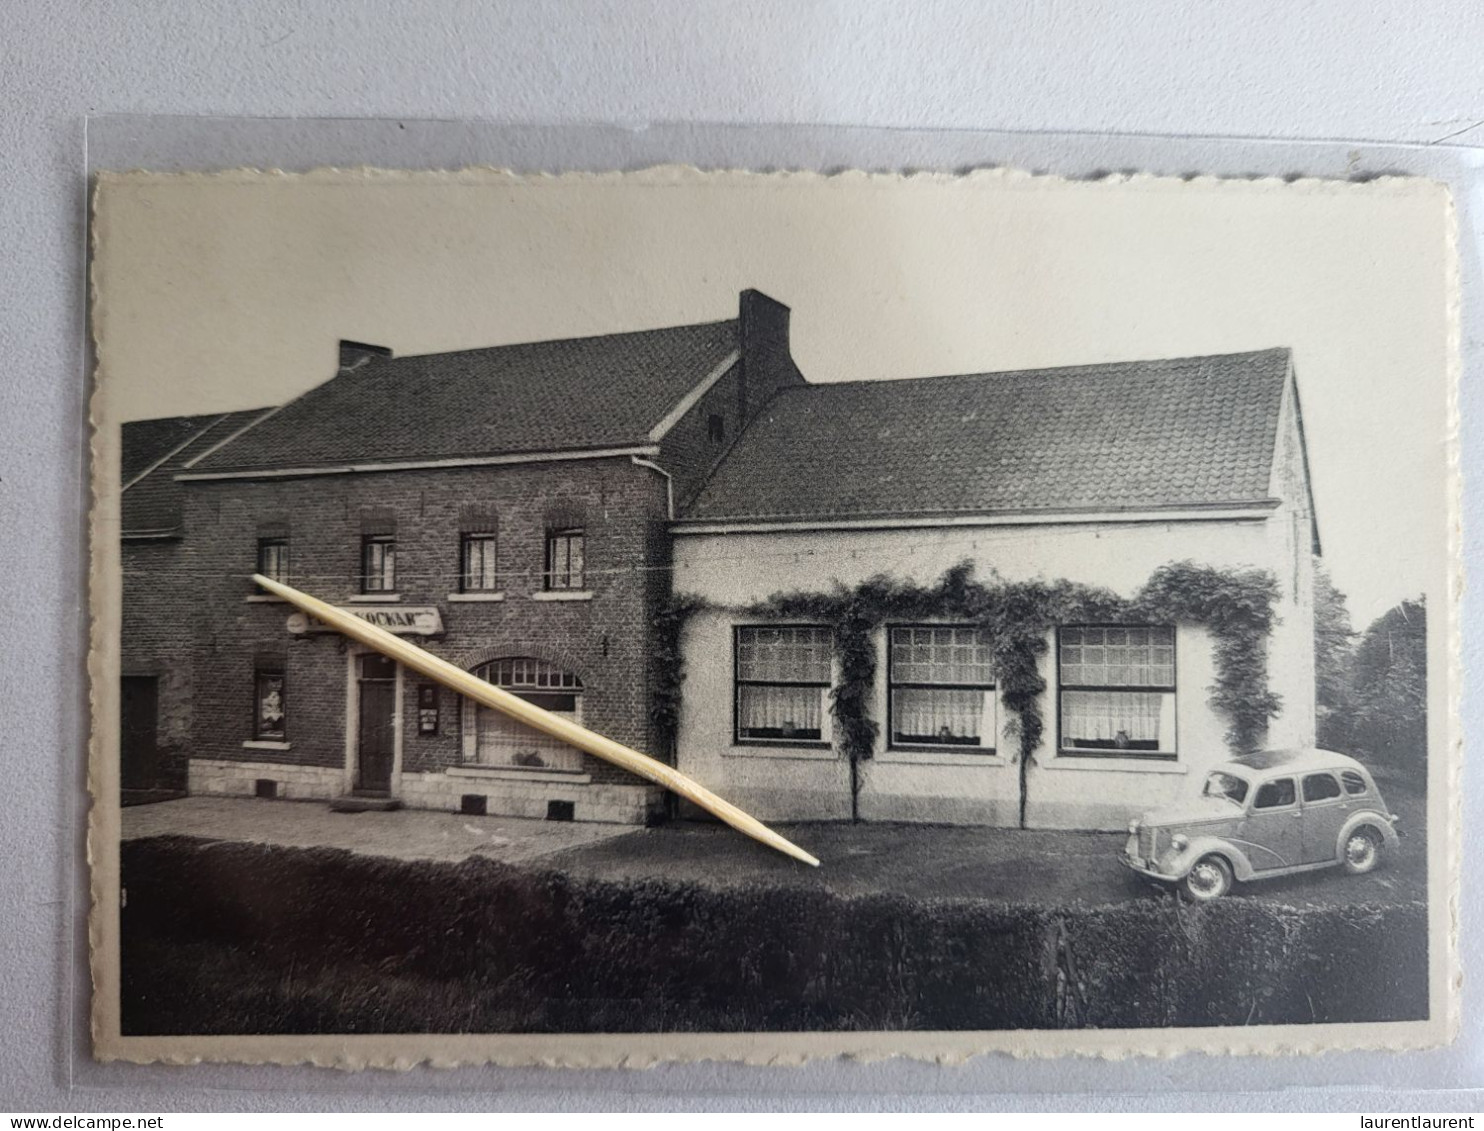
(379,362)
(1048,370)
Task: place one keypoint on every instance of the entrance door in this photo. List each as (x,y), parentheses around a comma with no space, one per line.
(139,701)
(376,723)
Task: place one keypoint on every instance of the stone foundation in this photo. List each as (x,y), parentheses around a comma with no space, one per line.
(216,777)
(505,795)
(530,796)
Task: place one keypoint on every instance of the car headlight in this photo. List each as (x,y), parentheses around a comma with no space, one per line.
(1179,843)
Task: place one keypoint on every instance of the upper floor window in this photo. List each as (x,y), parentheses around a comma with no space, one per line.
(1117,690)
(273,558)
(716,428)
(942,687)
(477,571)
(565,565)
(378,563)
(782,684)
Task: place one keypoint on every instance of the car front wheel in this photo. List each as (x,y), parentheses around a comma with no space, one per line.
(1209,878)
(1362,852)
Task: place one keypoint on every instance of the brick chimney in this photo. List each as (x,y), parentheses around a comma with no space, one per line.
(767,365)
(353,355)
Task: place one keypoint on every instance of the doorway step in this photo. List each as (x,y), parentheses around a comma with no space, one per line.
(364,801)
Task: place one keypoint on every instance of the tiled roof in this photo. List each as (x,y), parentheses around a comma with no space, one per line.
(154,450)
(146,442)
(1132,435)
(578,393)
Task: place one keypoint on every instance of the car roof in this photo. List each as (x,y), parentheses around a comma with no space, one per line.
(1297,760)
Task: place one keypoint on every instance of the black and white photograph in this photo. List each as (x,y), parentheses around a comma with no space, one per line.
(1058,576)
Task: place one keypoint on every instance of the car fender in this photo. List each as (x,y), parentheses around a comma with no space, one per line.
(1211,846)
(1368,817)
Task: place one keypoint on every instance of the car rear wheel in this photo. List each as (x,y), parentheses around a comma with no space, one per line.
(1209,878)
(1362,852)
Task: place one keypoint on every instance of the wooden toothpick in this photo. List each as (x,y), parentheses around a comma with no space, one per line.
(467,684)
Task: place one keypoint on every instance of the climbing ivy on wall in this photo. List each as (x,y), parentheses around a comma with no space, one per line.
(1236,606)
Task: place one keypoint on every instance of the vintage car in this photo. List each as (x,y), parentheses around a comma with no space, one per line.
(1267,814)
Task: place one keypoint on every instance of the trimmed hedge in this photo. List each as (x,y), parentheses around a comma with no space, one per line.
(236,938)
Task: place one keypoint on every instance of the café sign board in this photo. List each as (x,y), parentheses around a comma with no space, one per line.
(404,620)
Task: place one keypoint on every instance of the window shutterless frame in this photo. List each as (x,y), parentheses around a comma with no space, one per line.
(1065,751)
(273,559)
(264,680)
(378,563)
(566,559)
(738,683)
(988,741)
(478,562)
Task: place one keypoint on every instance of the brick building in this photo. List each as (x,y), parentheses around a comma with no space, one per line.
(531,509)
(157,677)
(511,504)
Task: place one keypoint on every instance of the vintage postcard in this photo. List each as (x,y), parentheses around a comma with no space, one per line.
(1070,566)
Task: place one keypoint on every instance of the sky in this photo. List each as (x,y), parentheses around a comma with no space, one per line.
(231,291)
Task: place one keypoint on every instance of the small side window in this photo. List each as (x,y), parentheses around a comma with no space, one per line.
(1321,787)
(1275,794)
(1354,783)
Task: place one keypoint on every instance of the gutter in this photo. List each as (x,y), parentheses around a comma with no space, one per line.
(1255,509)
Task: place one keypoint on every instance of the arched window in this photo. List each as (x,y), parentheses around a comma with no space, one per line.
(492,738)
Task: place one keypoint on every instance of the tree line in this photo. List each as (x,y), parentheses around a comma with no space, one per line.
(1371,686)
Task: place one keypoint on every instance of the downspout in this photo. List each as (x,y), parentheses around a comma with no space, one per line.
(671,801)
(639,461)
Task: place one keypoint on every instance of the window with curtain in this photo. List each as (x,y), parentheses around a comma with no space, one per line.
(782,684)
(270,704)
(273,558)
(942,687)
(477,563)
(493,738)
(1117,690)
(378,563)
(565,560)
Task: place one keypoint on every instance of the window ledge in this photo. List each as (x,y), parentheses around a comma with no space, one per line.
(1116,765)
(263,599)
(516,773)
(766,750)
(264,744)
(477,595)
(562,595)
(964,759)
(373,598)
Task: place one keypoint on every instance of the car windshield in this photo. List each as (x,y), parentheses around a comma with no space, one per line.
(1228,786)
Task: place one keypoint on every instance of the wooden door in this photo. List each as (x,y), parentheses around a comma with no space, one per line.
(138,731)
(376,724)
